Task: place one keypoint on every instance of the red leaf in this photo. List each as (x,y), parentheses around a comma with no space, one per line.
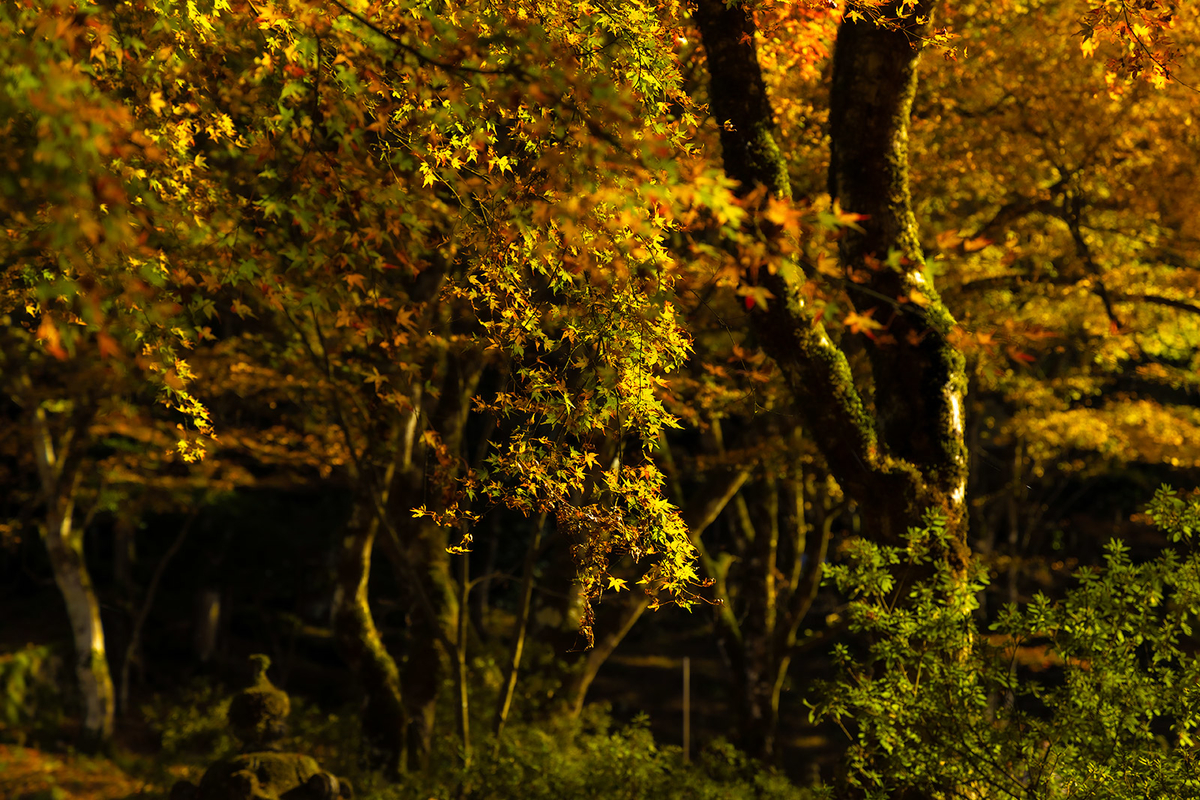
(1018,355)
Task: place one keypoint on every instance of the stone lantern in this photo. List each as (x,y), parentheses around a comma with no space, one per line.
(262,771)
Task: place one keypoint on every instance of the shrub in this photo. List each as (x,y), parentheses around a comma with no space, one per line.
(30,695)
(939,707)
(591,759)
(191,725)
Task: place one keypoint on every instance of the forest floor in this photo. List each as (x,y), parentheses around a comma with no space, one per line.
(30,774)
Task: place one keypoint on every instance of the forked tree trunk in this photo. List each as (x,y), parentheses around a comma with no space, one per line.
(904,453)
(907,453)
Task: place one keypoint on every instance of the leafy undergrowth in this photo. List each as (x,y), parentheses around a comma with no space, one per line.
(30,774)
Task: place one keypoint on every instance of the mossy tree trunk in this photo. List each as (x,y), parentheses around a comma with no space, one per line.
(419,553)
(422,565)
(906,454)
(417,548)
(385,718)
(399,462)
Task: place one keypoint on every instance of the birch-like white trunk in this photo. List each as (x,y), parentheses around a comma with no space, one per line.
(64,544)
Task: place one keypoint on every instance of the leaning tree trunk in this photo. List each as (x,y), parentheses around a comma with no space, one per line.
(58,469)
(908,453)
(385,719)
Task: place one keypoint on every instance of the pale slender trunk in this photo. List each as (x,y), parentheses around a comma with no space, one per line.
(636,605)
(64,544)
(65,547)
(704,507)
(518,648)
(461,676)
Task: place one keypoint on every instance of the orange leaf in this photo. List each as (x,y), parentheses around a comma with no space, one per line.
(861,323)
(47,333)
(108,345)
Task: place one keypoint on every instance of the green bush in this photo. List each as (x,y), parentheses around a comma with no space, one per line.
(557,759)
(30,697)
(590,759)
(334,739)
(191,725)
(940,707)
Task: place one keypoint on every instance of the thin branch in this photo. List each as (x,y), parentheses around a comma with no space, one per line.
(135,636)
(1150,54)
(1158,300)
(422,57)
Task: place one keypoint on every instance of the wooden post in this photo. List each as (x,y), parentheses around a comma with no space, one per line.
(687,709)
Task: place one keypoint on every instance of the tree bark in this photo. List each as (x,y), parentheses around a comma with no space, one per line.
(920,378)
(58,468)
(385,721)
(906,454)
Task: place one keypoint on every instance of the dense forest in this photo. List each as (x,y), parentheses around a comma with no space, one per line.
(599,399)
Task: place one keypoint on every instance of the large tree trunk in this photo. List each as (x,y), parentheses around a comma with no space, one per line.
(906,454)
(58,468)
(920,378)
